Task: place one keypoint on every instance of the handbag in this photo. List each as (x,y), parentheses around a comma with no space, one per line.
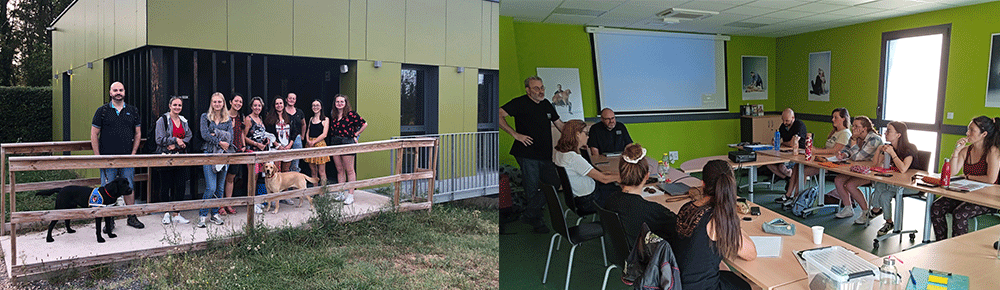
(779,226)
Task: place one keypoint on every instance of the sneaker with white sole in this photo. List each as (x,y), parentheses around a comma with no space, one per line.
(886,228)
(782,199)
(216,219)
(180,219)
(789,202)
(166,218)
(864,218)
(349,199)
(339,196)
(201,221)
(258,208)
(846,212)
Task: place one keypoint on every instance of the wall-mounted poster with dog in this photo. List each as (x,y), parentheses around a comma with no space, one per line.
(562,89)
(754,77)
(819,76)
(993,80)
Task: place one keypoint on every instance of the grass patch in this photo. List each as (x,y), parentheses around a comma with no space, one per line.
(453,247)
(28,201)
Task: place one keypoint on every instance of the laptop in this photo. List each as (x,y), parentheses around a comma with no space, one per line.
(674,189)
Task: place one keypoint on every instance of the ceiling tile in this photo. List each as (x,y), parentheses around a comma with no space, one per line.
(777,4)
(789,14)
(591,5)
(889,4)
(525,12)
(708,5)
(855,11)
(720,19)
(569,19)
(818,7)
(545,4)
(750,10)
(732,30)
(922,7)
(765,20)
(634,9)
(823,17)
(613,21)
(845,2)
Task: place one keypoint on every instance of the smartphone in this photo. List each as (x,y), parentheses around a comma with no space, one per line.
(741,199)
(927,184)
(754,210)
(883,174)
(746,218)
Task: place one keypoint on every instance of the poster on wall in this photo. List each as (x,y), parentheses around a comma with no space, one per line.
(562,89)
(993,80)
(819,76)
(754,77)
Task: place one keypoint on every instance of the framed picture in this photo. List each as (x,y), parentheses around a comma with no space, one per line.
(993,78)
(563,91)
(819,76)
(754,76)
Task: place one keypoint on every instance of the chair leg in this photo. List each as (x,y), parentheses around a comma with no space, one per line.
(578,220)
(549,259)
(606,274)
(604,251)
(569,266)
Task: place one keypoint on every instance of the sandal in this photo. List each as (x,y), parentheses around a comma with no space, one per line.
(222,211)
(231,210)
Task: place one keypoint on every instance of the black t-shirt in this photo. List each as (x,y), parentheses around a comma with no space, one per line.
(532,119)
(117,129)
(609,141)
(798,128)
(296,123)
(635,210)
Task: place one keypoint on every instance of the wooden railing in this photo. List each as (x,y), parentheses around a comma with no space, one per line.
(32,163)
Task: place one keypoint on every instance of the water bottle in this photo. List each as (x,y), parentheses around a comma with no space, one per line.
(665,159)
(809,146)
(662,169)
(777,140)
(888,276)
(946,173)
(887,163)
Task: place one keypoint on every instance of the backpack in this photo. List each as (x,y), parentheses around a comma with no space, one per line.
(651,264)
(149,146)
(805,200)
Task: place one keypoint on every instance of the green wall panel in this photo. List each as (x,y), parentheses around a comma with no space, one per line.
(189,24)
(358,26)
(465,20)
(425,32)
(377,102)
(261,26)
(127,26)
(386,40)
(452,99)
(736,48)
(321,28)
(494,55)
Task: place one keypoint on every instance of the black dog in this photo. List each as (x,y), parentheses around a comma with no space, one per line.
(83,197)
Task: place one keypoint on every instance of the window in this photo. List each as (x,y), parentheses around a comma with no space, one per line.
(489,100)
(914,64)
(418,100)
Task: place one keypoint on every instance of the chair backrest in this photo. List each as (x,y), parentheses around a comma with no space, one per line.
(567,189)
(921,161)
(615,231)
(586,155)
(555,210)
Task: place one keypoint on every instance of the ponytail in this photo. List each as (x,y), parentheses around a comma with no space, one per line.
(720,184)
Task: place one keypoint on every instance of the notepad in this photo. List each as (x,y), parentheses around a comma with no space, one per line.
(767,246)
(930,279)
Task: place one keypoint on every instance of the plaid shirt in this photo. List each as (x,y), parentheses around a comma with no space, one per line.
(866,151)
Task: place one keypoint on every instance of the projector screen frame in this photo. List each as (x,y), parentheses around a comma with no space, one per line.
(591,31)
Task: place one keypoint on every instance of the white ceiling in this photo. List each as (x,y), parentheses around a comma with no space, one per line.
(778,17)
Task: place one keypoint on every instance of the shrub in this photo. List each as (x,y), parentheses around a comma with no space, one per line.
(26,114)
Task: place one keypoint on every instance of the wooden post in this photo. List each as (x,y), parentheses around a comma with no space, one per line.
(399,170)
(13,227)
(251,192)
(413,183)
(149,184)
(3,183)
(433,168)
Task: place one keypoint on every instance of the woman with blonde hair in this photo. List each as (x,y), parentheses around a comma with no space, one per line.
(217,131)
(589,184)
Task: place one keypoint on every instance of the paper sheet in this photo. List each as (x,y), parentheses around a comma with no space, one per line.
(966,184)
(767,246)
(834,158)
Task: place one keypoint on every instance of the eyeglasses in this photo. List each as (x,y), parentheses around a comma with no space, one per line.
(542,88)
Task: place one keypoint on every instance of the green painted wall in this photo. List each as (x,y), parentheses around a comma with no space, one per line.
(856,57)
(522,53)
(378,103)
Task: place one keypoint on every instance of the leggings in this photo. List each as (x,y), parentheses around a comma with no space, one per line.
(961,213)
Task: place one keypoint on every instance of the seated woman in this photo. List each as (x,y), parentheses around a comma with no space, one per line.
(708,229)
(588,184)
(629,204)
(835,141)
(864,143)
(979,157)
(901,155)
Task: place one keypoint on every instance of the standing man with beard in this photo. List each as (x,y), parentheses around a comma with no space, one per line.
(116,130)
(533,145)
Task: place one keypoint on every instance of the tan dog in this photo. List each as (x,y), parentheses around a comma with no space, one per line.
(280,181)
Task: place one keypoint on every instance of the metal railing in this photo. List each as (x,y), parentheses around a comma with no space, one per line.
(468,165)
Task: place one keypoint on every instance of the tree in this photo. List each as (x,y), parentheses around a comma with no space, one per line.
(8,46)
(29,43)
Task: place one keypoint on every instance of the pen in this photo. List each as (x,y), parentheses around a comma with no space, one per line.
(913,280)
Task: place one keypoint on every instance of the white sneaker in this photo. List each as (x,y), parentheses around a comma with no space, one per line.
(166,218)
(120,201)
(863,219)
(216,219)
(339,197)
(846,212)
(349,199)
(201,221)
(180,219)
(258,208)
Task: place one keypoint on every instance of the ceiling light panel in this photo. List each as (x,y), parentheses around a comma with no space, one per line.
(818,7)
(855,11)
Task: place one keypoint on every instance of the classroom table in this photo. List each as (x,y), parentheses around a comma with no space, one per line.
(770,273)
(696,165)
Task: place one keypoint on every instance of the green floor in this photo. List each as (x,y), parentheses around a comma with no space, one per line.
(522,253)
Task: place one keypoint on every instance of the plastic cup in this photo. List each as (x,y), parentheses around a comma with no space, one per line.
(817,234)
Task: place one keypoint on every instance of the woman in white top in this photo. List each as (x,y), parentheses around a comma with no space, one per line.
(835,141)
(588,184)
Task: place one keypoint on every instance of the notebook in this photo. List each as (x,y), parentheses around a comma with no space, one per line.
(767,246)
(674,189)
(931,279)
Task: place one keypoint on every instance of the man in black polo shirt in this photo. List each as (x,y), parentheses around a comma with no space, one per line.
(533,145)
(793,134)
(116,131)
(609,135)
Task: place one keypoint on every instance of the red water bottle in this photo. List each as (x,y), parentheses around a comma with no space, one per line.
(946,173)
(809,146)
